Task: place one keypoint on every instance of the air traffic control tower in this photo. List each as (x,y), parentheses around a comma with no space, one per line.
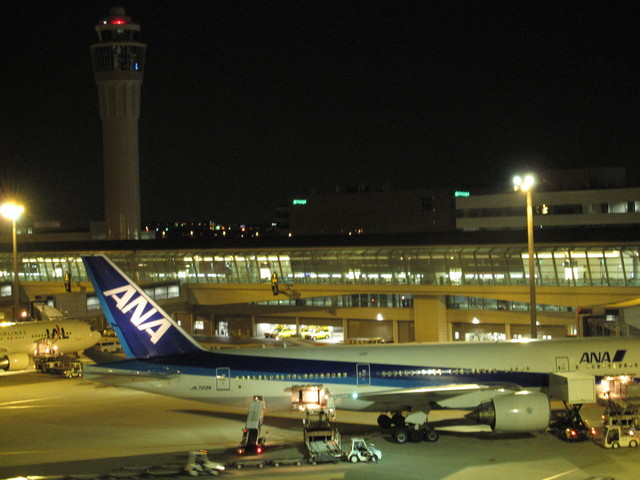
(118,65)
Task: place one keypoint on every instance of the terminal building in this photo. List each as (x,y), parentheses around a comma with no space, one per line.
(461,286)
(461,276)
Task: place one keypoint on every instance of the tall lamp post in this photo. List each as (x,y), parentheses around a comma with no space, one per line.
(12,211)
(526,185)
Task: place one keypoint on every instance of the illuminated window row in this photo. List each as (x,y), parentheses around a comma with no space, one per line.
(609,366)
(294,376)
(554,266)
(449,371)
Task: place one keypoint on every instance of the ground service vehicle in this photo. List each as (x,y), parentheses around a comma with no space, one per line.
(252,439)
(198,462)
(271,333)
(318,333)
(65,365)
(621,397)
(570,427)
(109,344)
(285,332)
(363,452)
(321,437)
(613,436)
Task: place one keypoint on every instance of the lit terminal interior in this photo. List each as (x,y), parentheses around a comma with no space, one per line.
(367,291)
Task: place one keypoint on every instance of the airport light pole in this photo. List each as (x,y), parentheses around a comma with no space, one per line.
(526,185)
(12,211)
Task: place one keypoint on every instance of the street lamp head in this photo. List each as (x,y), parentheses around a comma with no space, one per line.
(11,211)
(523,184)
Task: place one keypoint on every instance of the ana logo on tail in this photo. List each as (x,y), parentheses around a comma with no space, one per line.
(125,302)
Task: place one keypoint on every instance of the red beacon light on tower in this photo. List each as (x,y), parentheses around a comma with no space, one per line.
(116,16)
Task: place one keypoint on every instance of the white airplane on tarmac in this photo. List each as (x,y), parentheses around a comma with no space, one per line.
(505,383)
(19,342)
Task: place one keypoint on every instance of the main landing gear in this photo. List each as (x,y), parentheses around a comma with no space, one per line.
(414,427)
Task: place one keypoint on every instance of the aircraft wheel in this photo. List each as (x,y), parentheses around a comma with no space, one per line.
(400,435)
(384,421)
(431,435)
(398,420)
(416,435)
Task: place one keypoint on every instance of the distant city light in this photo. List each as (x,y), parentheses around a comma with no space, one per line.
(460,193)
(299,201)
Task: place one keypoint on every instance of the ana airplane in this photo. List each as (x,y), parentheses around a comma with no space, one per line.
(505,383)
(19,342)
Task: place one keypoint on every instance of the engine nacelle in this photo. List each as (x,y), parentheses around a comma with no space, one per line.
(515,413)
(15,362)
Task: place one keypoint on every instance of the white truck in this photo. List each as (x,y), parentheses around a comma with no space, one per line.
(363,452)
(615,436)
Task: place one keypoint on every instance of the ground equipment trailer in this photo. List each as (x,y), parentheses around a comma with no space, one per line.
(621,419)
(198,463)
(65,365)
(321,436)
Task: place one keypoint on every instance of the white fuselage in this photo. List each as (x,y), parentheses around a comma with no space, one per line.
(59,337)
(353,372)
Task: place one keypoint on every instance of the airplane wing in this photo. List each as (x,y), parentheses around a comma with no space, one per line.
(120,377)
(426,398)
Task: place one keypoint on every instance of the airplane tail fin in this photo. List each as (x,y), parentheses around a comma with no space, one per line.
(144,329)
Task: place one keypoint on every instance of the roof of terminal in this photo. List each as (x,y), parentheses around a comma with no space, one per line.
(542,237)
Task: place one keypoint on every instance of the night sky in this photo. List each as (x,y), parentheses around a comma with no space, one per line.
(246,104)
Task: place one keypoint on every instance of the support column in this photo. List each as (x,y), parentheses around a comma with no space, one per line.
(430,318)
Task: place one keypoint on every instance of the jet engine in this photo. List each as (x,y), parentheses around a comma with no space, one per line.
(514,413)
(14,362)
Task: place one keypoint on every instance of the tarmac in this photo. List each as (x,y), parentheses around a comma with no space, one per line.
(75,428)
